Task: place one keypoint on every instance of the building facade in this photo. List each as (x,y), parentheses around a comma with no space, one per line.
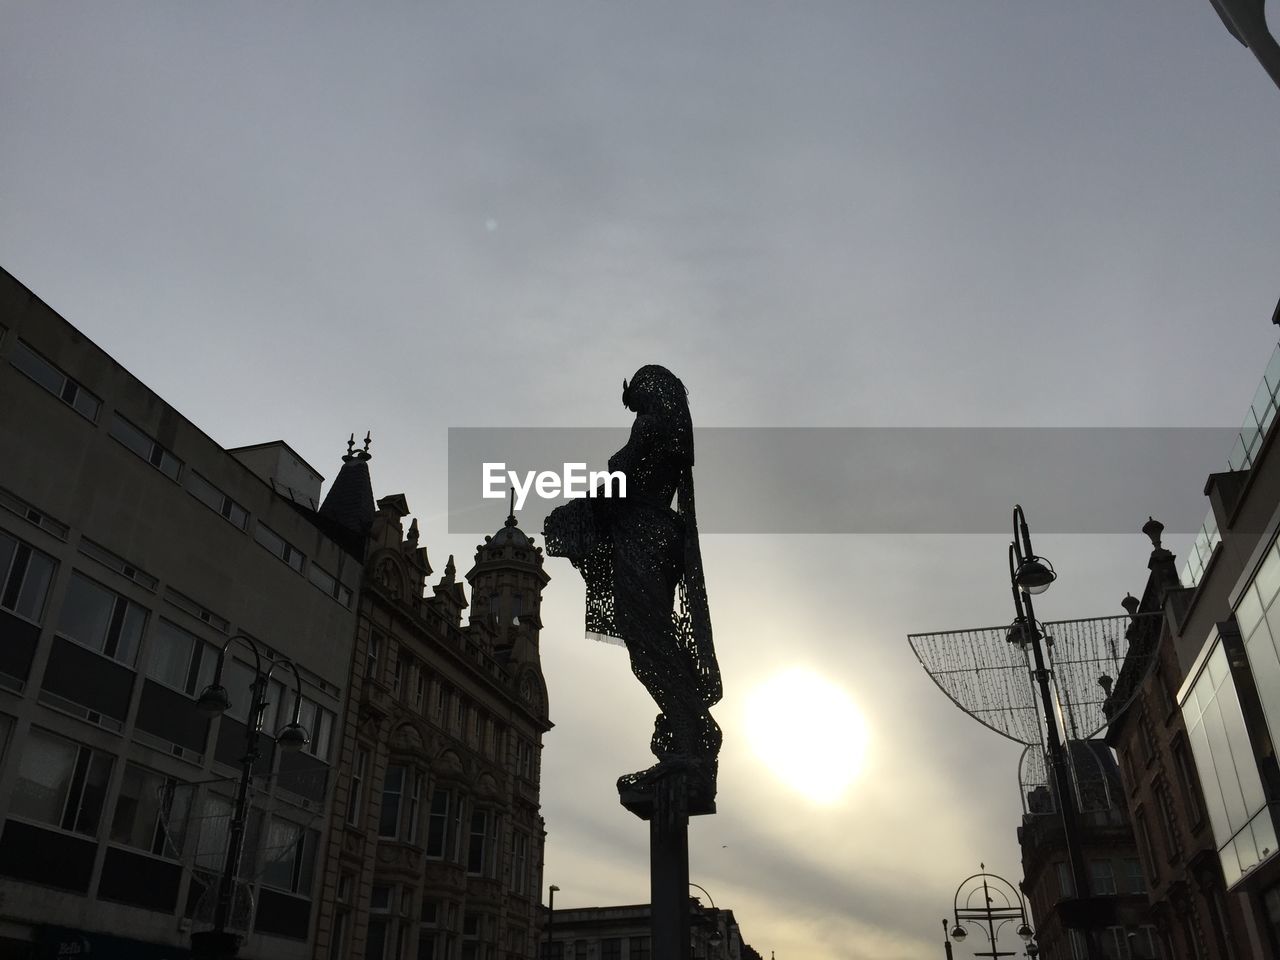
(133,548)
(1225,635)
(436,835)
(1106,841)
(1196,917)
(622,933)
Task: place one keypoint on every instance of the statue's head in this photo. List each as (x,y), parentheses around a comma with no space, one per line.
(655,389)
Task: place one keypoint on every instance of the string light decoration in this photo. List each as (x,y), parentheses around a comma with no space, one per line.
(987,672)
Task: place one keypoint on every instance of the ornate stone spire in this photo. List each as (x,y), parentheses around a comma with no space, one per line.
(349,502)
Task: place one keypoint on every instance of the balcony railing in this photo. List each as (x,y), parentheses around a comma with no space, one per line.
(1261,415)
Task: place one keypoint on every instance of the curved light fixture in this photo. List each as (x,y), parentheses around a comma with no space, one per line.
(958,933)
(292,736)
(213,700)
(1034,574)
(1024,931)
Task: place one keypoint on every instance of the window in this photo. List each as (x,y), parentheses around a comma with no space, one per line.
(380,899)
(392,793)
(148,802)
(611,948)
(61,783)
(1167,822)
(375,944)
(217,501)
(398,671)
(371,656)
(1102,877)
(1144,943)
(638,949)
(279,546)
(319,723)
(1066,885)
(524,759)
(102,620)
(483,840)
(519,862)
(1134,879)
(20,508)
(187,605)
(1115,943)
(438,822)
(179,659)
(290,855)
(356,797)
(1187,780)
(329,584)
(55,381)
(415,798)
(145,447)
(25,574)
(121,566)
(1143,834)
(420,691)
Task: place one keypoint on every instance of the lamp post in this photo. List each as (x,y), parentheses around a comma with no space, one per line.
(220,943)
(1030,575)
(715,938)
(988,913)
(551,919)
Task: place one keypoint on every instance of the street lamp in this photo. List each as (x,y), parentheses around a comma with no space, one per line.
(988,912)
(1031,575)
(220,943)
(714,938)
(551,919)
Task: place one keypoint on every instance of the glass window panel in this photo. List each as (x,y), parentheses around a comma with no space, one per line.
(86,404)
(1264,834)
(8,547)
(1217,667)
(44,777)
(1210,787)
(392,789)
(131,437)
(1248,611)
(169,465)
(1242,758)
(137,814)
(211,843)
(169,655)
(1228,782)
(38,368)
(86,612)
(1268,577)
(1265,664)
(238,679)
(35,586)
(94,795)
(281,851)
(135,619)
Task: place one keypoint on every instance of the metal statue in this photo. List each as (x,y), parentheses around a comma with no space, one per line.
(638,556)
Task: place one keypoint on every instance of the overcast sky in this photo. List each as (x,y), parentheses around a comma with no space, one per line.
(301,220)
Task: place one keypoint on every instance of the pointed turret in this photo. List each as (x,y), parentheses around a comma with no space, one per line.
(349,503)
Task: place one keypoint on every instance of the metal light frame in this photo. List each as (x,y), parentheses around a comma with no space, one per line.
(993,916)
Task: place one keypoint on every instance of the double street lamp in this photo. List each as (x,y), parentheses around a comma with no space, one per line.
(715,938)
(1030,575)
(220,943)
(989,915)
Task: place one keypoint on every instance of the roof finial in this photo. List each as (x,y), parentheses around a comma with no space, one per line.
(511,514)
(413,533)
(450,571)
(364,454)
(351,445)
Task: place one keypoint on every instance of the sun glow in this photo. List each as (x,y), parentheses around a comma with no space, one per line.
(808,732)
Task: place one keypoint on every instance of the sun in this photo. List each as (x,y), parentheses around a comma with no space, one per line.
(808,732)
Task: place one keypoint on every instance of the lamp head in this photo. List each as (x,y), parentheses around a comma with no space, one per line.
(1024,932)
(715,939)
(1034,574)
(292,736)
(213,700)
(1020,633)
(1033,949)
(958,933)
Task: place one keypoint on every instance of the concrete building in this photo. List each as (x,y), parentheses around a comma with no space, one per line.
(622,933)
(1224,631)
(1106,840)
(132,548)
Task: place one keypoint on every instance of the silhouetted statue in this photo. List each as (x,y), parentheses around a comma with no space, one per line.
(637,556)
